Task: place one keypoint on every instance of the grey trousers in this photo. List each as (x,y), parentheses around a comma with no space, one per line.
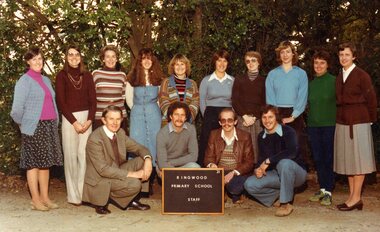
(278,183)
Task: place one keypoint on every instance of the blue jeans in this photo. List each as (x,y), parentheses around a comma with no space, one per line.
(279,182)
(322,148)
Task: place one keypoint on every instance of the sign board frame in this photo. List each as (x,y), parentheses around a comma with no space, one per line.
(192,191)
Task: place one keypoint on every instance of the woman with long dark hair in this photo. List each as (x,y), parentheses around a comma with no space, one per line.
(77,102)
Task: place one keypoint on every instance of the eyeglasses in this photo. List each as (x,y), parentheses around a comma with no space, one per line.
(253,60)
(228,120)
(74,54)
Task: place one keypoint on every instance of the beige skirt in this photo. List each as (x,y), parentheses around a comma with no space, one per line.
(354,156)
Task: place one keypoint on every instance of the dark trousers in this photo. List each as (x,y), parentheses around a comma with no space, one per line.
(210,122)
(322,148)
(236,186)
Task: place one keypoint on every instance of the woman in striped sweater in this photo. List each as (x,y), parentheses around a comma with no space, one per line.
(109,84)
(179,87)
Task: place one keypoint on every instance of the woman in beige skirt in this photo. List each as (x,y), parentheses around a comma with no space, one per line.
(356,110)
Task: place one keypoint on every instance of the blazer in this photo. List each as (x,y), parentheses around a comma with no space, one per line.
(243,150)
(101,166)
(28,101)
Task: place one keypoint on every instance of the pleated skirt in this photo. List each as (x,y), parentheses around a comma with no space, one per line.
(354,156)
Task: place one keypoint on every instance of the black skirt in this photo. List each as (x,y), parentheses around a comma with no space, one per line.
(43,149)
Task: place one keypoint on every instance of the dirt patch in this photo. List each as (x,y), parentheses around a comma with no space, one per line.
(16,214)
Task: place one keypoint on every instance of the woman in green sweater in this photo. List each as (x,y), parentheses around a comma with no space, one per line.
(321,125)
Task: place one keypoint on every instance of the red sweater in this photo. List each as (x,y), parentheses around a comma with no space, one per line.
(356,98)
(70,99)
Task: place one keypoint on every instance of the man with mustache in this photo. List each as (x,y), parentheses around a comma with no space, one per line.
(177,145)
(231,149)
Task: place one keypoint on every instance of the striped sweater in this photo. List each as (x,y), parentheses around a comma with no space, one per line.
(169,94)
(110,90)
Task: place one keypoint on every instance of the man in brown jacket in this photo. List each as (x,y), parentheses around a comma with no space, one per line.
(109,174)
(230,148)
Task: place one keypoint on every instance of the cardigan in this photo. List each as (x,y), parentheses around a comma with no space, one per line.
(70,99)
(28,101)
(169,94)
(248,96)
(356,98)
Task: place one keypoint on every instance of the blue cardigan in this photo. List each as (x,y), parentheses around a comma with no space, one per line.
(28,102)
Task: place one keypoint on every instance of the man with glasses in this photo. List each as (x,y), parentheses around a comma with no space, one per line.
(231,149)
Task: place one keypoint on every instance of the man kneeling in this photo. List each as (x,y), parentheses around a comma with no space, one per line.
(279,168)
(177,145)
(109,175)
(231,149)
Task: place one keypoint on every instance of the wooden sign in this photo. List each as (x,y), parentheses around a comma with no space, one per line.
(192,191)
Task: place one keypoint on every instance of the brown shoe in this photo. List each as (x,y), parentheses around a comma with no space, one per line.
(277,204)
(284,210)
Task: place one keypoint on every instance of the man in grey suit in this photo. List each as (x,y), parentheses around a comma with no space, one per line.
(110,176)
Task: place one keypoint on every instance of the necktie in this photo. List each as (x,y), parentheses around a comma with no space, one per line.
(115,149)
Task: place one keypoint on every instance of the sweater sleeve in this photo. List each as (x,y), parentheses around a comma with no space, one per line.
(162,152)
(61,97)
(163,97)
(301,101)
(269,90)
(203,95)
(129,95)
(19,99)
(194,103)
(91,96)
(236,102)
(370,96)
(289,151)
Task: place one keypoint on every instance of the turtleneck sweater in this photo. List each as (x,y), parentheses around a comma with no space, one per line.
(48,111)
(75,97)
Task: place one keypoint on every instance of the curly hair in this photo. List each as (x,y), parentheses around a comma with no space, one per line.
(136,75)
(178,105)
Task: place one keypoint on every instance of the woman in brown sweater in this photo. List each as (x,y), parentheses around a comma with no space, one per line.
(248,96)
(77,103)
(356,110)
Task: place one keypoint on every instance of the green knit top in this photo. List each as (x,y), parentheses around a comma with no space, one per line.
(322,103)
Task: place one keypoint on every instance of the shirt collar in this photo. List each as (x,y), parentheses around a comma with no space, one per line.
(229,141)
(171,128)
(214,76)
(348,71)
(109,133)
(278,131)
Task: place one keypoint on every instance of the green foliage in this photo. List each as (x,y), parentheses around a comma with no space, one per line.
(196,28)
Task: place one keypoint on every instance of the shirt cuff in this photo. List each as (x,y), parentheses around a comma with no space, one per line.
(237,172)
(147,156)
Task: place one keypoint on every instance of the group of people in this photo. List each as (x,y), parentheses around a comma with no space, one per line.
(253,127)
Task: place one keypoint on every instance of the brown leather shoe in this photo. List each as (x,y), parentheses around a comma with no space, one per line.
(136,205)
(284,210)
(102,210)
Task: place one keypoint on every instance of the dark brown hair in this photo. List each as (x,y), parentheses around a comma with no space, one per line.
(222,53)
(322,55)
(82,67)
(228,109)
(178,105)
(32,52)
(349,45)
(136,75)
(284,45)
(265,109)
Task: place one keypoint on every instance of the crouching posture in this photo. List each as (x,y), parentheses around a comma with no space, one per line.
(109,175)
(279,168)
(231,149)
